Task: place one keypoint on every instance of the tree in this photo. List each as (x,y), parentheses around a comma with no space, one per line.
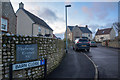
(116,25)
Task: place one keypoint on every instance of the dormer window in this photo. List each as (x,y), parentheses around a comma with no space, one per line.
(4,24)
(45,31)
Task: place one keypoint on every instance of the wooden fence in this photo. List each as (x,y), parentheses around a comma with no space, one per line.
(49,48)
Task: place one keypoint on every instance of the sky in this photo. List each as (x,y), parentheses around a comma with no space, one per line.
(95,13)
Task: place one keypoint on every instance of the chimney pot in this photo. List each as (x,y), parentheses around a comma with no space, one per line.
(86,26)
(21,5)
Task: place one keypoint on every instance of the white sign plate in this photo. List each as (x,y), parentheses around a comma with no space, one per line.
(28,65)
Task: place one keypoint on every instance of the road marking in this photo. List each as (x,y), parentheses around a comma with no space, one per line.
(96,70)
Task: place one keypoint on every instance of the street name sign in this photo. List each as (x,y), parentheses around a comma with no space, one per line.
(28,65)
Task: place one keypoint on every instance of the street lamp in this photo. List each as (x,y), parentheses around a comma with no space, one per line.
(66,26)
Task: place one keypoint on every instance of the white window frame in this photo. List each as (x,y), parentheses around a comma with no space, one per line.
(6,24)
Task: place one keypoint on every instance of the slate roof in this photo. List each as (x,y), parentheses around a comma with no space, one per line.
(71,27)
(85,30)
(104,31)
(37,20)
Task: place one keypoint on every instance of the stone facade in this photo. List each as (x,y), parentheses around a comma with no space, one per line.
(74,32)
(69,34)
(9,14)
(77,33)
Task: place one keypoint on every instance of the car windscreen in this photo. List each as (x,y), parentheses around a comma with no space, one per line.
(83,40)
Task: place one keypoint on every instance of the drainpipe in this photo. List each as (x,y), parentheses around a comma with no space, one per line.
(32,28)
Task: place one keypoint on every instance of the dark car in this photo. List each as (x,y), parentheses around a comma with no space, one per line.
(80,44)
(93,44)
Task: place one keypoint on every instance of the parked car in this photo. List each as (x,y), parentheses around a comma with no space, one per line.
(80,44)
(93,44)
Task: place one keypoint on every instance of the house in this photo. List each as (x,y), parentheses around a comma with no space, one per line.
(29,24)
(86,32)
(74,32)
(54,36)
(8,19)
(105,34)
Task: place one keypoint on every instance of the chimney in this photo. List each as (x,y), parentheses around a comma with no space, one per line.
(86,26)
(76,25)
(21,5)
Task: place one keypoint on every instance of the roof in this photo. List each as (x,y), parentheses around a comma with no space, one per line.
(71,28)
(103,31)
(54,36)
(85,30)
(37,20)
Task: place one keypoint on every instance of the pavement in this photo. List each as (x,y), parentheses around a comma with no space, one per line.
(74,65)
(106,59)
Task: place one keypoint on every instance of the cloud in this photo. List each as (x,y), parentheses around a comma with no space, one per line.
(56,22)
(48,15)
(99,10)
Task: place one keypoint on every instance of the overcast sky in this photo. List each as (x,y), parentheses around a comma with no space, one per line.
(94,14)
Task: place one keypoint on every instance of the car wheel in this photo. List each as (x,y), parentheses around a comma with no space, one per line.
(76,49)
(88,50)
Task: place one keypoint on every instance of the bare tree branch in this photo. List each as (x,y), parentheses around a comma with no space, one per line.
(116,25)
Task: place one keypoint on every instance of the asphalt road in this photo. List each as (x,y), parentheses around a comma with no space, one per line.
(74,65)
(106,59)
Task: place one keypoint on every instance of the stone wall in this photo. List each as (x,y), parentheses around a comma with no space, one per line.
(49,48)
(0,42)
(115,44)
(112,43)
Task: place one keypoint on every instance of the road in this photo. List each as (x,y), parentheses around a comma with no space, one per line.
(106,59)
(74,65)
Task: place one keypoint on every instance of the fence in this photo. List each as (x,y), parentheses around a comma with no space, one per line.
(47,48)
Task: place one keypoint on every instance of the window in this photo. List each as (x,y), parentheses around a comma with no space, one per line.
(103,32)
(88,35)
(45,31)
(39,29)
(83,35)
(49,31)
(4,24)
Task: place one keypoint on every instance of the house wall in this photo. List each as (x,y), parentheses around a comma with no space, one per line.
(112,34)
(24,23)
(9,14)
(98,37)
(69,34)
(87,35)
(36,31)
(77,33)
